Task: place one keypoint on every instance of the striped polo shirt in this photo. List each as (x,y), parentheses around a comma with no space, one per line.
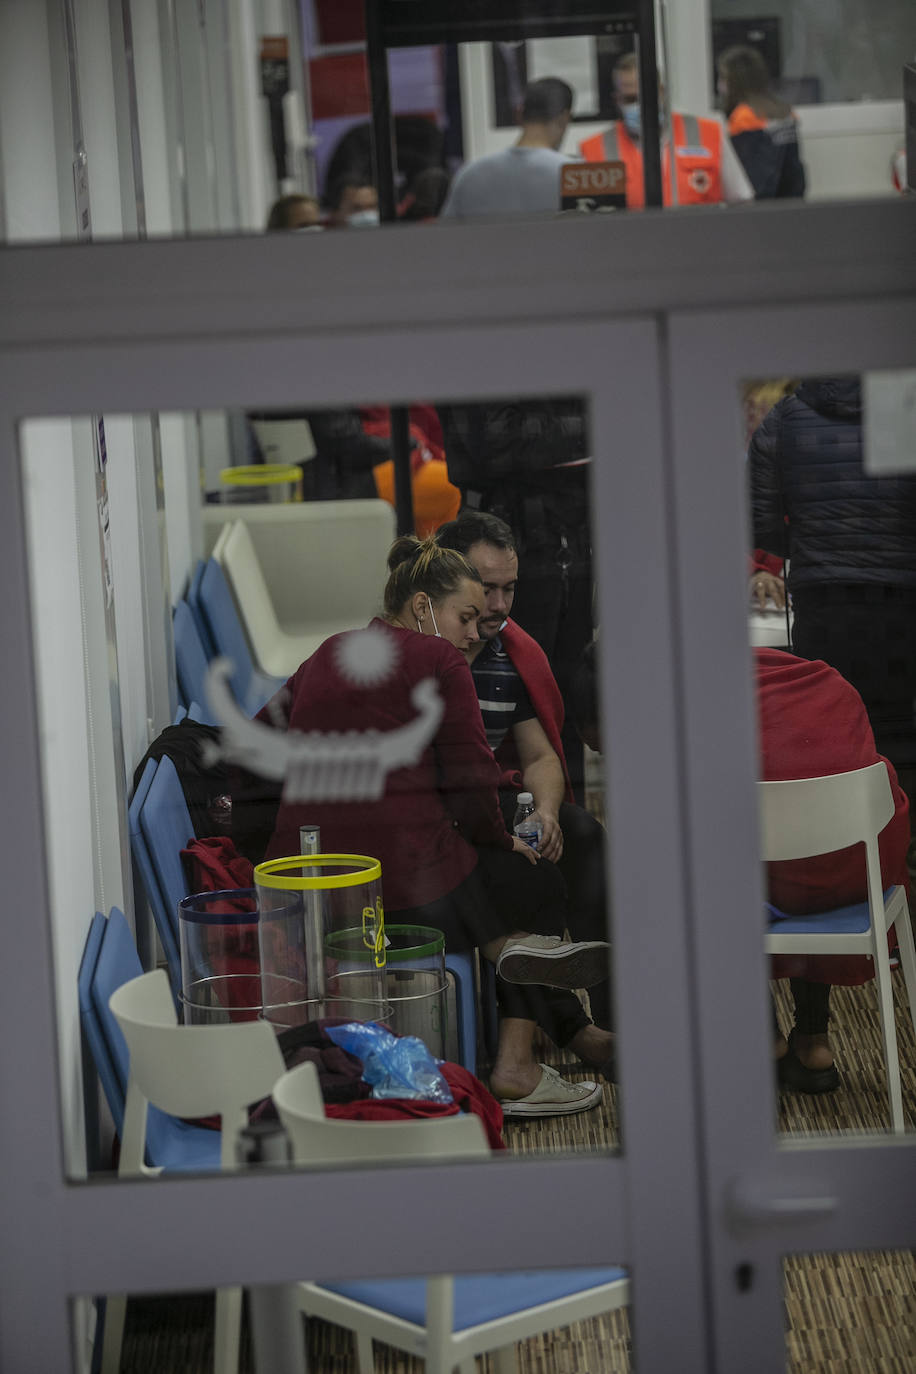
(504,700)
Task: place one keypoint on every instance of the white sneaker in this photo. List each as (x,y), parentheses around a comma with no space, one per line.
(554,1096)
(554,963)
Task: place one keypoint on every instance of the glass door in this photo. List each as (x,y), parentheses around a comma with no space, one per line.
(801,1162)
(603,1198)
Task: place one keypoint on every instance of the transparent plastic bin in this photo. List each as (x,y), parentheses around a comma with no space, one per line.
(416,987)
(220,959)
(262,482)
(304,901)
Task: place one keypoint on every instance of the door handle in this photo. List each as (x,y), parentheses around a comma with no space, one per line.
(759,1201)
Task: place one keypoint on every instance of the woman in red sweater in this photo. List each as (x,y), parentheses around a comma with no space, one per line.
(447,859)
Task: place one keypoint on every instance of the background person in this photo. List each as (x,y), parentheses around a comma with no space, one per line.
(447,859)
(523,179)
(352,202)
(850,539)
(295,211)
(706,169)
(763,129)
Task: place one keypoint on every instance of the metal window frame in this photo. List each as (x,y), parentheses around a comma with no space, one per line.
(480,311)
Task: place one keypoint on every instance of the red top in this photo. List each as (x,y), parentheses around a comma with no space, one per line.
(813,723)
(531,664)
(413,827)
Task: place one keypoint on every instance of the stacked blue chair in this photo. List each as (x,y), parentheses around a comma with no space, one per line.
(250,687)
(166,828)
(197,610)
(110,959)
(190,659)
(166,925)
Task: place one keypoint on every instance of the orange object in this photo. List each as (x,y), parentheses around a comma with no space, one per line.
(435,500)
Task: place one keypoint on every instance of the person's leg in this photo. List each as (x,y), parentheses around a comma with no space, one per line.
(812,1014)
(582,867)
(804,1062)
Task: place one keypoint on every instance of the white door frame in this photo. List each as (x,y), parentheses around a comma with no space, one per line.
(549,307)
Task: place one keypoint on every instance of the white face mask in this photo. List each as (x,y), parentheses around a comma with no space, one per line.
(363,219)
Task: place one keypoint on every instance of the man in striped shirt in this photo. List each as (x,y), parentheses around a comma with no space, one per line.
(523,716)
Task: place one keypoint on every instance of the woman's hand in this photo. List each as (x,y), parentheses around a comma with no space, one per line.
(521,847)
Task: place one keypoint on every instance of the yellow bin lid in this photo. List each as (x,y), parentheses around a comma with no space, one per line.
(260,475)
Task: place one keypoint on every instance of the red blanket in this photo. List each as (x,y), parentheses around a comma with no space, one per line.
(468,1092)
(813,723)
(530,662)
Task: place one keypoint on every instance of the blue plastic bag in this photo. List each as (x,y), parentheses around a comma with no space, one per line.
(395,1066)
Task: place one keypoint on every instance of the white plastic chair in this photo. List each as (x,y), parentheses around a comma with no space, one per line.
(446,1321)
(811,816)
(190,1071)
(289,609)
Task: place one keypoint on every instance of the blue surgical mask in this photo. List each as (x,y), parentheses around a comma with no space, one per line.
(362,219)
(632,119)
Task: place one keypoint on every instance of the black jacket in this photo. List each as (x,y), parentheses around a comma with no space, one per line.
(812,501)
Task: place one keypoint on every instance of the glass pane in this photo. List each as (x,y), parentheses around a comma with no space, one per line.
(850,1310)
(818,54)
(402,698)
(175,1330)
(833,625)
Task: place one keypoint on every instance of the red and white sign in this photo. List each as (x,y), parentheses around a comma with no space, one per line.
(591,186)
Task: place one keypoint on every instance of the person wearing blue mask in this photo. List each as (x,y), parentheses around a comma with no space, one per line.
(704,169)
(352,203)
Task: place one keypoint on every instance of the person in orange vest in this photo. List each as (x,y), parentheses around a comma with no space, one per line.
(706,169)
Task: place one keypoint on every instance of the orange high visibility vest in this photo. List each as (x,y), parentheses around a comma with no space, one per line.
(697,159)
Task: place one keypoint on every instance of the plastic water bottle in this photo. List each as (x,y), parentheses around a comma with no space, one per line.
(525,824)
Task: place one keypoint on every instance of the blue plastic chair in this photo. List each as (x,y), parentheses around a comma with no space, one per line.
(166,829)
(190,660)
(250,688)
(447,1321)
(110,959)
(166,925)
(200,620)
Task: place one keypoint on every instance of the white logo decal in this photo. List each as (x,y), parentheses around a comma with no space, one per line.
(315,766)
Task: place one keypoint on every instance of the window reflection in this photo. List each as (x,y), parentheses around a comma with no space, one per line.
(833,596)
(398,697)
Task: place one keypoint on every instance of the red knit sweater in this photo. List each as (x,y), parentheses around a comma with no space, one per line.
(412,828)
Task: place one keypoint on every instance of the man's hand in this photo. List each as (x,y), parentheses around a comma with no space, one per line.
(767,587)
(551,846)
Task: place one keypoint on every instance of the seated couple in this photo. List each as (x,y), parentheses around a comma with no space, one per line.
(448,859)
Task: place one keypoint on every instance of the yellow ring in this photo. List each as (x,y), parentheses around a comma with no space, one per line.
(268,873)
(260,475)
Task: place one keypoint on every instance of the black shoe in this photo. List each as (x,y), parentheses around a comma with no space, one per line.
(793,1076)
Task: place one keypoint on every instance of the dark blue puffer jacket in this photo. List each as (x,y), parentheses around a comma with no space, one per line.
(812,502)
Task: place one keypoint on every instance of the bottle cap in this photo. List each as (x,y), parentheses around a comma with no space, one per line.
(524,798)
